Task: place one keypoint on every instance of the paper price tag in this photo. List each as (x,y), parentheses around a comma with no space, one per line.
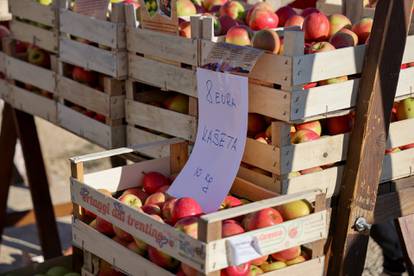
(221,137)
(241,250)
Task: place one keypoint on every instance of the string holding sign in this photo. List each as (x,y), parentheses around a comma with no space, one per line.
(221,137)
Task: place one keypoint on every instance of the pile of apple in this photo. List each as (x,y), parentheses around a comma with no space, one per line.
(259,128)
(182,213)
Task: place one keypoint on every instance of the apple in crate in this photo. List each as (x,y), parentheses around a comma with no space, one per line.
(167,209)
(185,207)
(363,29)
(255,270)
(295,20)
(162,259)
(156,199)
(240,270)
(338,125)
(263,19)
(263,218)
(234,9)
(87,77)
(344,38)
(320,47)
(152,209)
(230,228)
(138,246)
(304,135)
(137,192)
(270,266)
(226,23)
(333,80)
(267,40)
(297,260)
(57,271)
(284,13)
(287,254)
(230,202)
(185,8)
(337,22)
(133,201)
(316,27)
(295,209)
(105,269)
(38,57)
(405,109)
(314,126)
(152,181)
(258,5)
(239,35)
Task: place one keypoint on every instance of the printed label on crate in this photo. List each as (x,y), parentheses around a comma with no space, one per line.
(226,57)
(93,8)
(221,136)
(138,224)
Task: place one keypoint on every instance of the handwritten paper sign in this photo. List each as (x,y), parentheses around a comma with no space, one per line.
(93,8)
(221,136)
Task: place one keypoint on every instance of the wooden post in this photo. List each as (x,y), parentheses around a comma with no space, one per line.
(38,184)
(368,139)
(8,138)
(405,227)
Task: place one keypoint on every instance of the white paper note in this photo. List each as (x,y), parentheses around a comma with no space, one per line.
(221,137)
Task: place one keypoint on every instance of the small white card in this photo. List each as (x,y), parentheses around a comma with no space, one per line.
(241,249)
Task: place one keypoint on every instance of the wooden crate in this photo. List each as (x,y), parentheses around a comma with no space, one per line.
(31,88)
(105,52)
(209,254)
(35,23)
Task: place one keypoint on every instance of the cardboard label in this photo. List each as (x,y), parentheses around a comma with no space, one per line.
(227,57)
(93,8)
(221,137)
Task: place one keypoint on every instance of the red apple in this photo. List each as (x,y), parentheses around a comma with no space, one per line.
(104,227)
(151,209)
(137,192)
(231,228)
(316,27)
(363,29)
(238,35)
(210,5)
(153,181)
(310,85)
(267,40)
(162,259)
(309,11)
(167,210)
(295,209)
(337,22)
(315,126)
(258,5)
(338,125)
(121,241)
(393,150)
(226,23)
(304,135)
(319,47)
(185,29)
(185,8)
(188,225)
(259,261)
(295,20)
(163,189)
(311,170)
(21,47)
(185,207)
(130,200)
(344,38)
(263,19)
(240,270)
(188,270)
(284,13)
(230,202)
(263,218)
(287,254)
(255,124)
(156,199)
(234,9)
(138,247)
(84,76)
(405,109)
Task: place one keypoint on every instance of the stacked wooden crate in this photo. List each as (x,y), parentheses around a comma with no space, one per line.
(276,90)
(209,253)
(31,76)
(92,73)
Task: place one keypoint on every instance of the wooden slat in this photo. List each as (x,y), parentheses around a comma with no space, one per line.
(102,32)
(3,57)
(163,75)
(161,45)
(88,128)
(311,267)
(5,90)
(112,252)
(261,155)
(29,33)
(30,74)
(33,104)
(259,179)
(163,120)
(34,11)
(137,136)
(92,99)
(406,233)
(93,58)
